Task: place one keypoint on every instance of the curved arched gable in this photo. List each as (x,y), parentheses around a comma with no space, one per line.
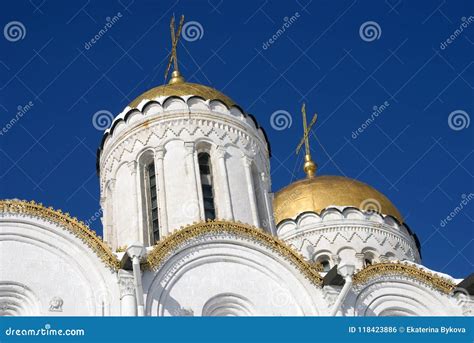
(229,268)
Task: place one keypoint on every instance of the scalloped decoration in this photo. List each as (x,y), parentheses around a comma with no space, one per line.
(392,222)
(353,214)
(339,213)
(119,127)
(152,108)
(105,142)
(194,103)
(403,229)
(286,227)
(175,103)
(250,122)
(308,218)
(198,104)
(218,106)
(236,112)
(331,214)
(375,217)
(134,116)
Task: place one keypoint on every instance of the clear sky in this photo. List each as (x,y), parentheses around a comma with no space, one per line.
(342,58)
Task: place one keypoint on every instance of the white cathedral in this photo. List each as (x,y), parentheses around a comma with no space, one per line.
(192,228)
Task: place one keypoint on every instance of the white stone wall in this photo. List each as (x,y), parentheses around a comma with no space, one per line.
(399,296)
(348,235)
(228,275)
(224,275)
(173,133)
(47,271)
(124,190)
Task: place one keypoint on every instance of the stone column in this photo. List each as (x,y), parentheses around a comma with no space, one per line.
(336,259)
(383,258)
(193,208)
(268,203)
(137,252)
(161,189)
(141,204)
(128,304)
(113,206)
(247,161)
(359,260)
(133,166)
(103,218)
(224,207)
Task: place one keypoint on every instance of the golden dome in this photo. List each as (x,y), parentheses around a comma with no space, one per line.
(320,192)
(179,87)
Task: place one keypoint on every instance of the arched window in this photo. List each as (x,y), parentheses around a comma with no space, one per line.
(259,191)
(390,256)
(153,202)
(324,261)
(326,265)
(369,258)
(205,170)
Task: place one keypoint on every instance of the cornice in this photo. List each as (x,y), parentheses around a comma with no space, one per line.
(64,220)
(169,245)
(376,270)
(175,125)
(320,224)
(222,112)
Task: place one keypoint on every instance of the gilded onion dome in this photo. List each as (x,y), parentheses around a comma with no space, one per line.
(320,192)
(179,87)
(316,193)
(176,87)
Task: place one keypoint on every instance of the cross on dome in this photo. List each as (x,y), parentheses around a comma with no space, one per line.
(309,165)
(173,58)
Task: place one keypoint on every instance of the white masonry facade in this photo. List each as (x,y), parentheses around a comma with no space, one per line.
(190,229)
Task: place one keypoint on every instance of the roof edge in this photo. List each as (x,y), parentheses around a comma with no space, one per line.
(165,248)
(71,224)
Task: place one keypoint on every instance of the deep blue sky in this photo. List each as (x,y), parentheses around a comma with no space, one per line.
(409,152)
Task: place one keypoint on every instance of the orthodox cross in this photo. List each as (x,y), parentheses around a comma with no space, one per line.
(309,166)
(174,44)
